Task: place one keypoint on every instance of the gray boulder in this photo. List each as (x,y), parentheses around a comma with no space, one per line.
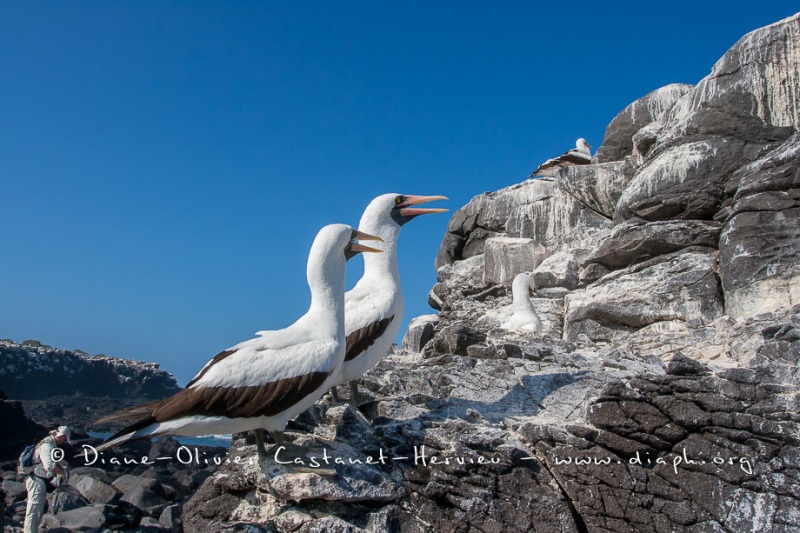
(86,518)
(146,500)
(535,209)
(420,331)
(126,483)
(171,518)
(751,93)
(14,492)
(95,490)
(456,339)
(98,473)
(558,270)
(645,139)
(66,498)
(151,525)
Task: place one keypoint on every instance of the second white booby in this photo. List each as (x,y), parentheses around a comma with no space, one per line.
(580,155)
(374,307)
(264,382)
(523,316)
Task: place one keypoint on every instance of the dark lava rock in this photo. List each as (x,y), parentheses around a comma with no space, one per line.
(95,490)
(90,375)
(456,339)
(25,431)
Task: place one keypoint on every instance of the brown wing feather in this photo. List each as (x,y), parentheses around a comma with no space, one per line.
(129,414)
(240,402)
(571,158)
(361,339)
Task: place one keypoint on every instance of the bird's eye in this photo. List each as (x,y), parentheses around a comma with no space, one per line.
(398,200)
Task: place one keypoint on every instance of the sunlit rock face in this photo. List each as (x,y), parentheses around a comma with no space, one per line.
(760,243)
(751,93)
(535,209)
(651,109)
(663,391)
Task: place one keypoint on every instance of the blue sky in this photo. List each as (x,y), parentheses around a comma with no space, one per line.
(164,166)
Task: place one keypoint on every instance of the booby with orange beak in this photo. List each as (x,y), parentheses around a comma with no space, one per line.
(374,307)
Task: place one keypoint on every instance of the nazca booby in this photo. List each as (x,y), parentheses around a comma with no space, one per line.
(263,382)
(580,155)
(374,306)
(523,317)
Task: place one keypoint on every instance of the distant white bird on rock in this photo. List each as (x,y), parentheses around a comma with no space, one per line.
(580,155)
(374,307)
(264,382)
(523,317)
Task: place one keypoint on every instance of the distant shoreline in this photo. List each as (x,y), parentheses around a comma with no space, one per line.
(202,440)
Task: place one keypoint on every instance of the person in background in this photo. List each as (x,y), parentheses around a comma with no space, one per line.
(46,468)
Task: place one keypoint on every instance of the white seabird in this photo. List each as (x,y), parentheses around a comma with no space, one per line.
(580,155)
(374,307)
(264,382)
(523,317)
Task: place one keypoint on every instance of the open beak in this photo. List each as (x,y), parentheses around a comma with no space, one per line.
(357,247)
(416,200)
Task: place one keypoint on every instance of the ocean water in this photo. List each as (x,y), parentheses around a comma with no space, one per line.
(202,440)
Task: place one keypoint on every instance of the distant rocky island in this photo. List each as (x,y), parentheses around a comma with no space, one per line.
(58,386)
(662,396)
(32,371)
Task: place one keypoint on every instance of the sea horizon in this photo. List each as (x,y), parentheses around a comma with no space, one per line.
(223,440)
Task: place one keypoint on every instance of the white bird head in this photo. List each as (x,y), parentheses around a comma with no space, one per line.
(335,243)
(395,210)
(329,253)
(522,284)
(583,146)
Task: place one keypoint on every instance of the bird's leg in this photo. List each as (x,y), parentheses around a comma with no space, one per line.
(290,451)
(354,397)
(358,400)
(262,451)
(335,400)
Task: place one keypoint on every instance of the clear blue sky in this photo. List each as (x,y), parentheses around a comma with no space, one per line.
(164,166)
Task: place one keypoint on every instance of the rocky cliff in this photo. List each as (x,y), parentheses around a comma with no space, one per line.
(663,394)
(30,371)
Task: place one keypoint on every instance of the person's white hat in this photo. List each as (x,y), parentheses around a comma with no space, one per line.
(65,431)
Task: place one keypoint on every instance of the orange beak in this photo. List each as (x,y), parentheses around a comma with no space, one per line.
(416,200)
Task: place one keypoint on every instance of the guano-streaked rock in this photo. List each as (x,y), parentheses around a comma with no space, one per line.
(633,242)
(505,257)
(535,209)
(618,139)
(597,186)
(760,243)
(679,286)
